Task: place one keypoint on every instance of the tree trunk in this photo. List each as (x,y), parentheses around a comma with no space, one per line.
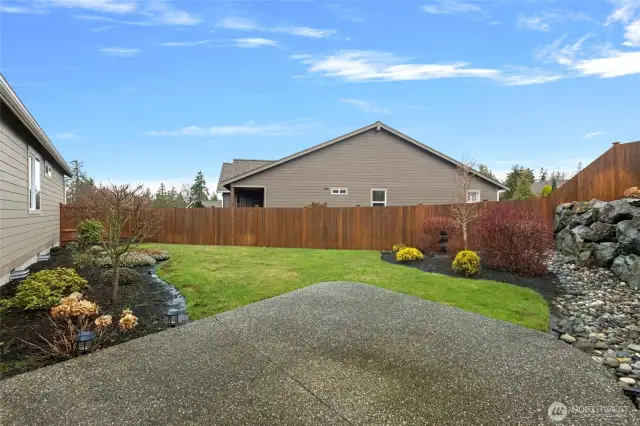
(116,275)
(464,236)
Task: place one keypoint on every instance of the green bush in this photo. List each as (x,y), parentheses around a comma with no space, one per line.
(408,254)
(89,232)
(546,190)
(158,255)
(44,289)
(72,247)
(95,250)
(131,260)
(83,260)
(466,263)
(126,276)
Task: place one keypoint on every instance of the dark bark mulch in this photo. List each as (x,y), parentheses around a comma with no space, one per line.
(545,285)
(147,300)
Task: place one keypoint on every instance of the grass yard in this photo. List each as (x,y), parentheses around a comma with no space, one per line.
(215,279)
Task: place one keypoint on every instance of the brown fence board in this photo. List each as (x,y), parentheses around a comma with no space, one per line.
(370,228)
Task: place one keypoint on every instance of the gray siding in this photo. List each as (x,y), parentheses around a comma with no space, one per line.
(226,199)
(24,234)
(373,159)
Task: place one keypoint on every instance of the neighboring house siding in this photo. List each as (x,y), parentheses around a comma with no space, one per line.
(226,199)
(373,159)
(23,234)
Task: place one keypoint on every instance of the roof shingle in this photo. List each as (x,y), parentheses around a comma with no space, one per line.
(238,167)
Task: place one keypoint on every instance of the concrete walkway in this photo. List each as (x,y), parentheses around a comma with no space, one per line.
(332,353)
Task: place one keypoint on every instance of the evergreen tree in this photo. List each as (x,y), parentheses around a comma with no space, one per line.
(482,168)
(161,199)
(77,183)
(554,183)
(198,191)
(544,174)
(214,197)
(579,167)
(523,189)
(516,174)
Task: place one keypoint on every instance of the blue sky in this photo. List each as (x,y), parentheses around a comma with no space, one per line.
(155,90)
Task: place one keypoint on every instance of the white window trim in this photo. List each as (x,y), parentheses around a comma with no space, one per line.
(378,202)
(32,157)
(474,191)
(337,191)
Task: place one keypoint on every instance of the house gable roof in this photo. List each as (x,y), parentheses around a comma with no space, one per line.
(11,99)
(230,170)
(377,125)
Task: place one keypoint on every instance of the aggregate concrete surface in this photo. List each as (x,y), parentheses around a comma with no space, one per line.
(332,353)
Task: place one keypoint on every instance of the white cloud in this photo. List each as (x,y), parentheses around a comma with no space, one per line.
(592,135)
(525,76)
(368,65)
(14,9)
(556,52)
(365,106)
(254,42)
(184,43)
(249,128)
(632,34)
(110,6)
(451,7)
(119,51)
(624,11)
(67,136)
(533,23)
(101,29)
(244,24)
(162,12)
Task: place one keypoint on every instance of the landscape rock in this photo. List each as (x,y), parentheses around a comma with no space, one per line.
(611,362)
(583,233)
(568,338)
(566,242)
(615,211)
(627,380)
(605,253)
(601,231)
(633,347)
(627,268)
(585,219)
(624,368)
(635,202)
(628,236)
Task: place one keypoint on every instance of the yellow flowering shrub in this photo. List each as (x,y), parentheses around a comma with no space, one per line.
(397,247)
(466,263)
(408,254)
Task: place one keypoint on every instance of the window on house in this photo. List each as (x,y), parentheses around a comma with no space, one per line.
(34,182)
(379,197)
(47,170)
(339,191)
(473,196)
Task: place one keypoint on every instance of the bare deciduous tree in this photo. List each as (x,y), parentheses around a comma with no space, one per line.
(122,209)
(463,211)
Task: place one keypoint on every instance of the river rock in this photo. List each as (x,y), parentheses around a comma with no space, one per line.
(633,347)
(624,368)
(611,362)
(568,338)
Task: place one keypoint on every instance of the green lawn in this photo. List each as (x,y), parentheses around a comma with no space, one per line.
(215,279)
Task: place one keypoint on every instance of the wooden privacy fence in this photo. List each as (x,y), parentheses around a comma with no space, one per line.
(370,228)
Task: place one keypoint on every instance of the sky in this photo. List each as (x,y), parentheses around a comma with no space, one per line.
(155,90)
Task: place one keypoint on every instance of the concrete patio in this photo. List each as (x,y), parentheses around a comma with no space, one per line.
(332,353)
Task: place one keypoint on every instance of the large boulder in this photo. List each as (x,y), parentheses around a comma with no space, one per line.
(562,216)
(601,231)
(627,268)
(605,253)
(617,210)
(566,242)
(635,202)
(628,236)
(582,219)
(582,233)
(585,254)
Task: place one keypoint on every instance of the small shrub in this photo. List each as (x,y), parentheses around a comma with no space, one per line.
(633,192)
(514,240)
(546,190)
(44,289)
(466,263)
(397,247)
(431,228)
(84,260)
(158,255)
(131,259)
(72,247)
(95,250)
(89,232)
(408,254)
(126,276)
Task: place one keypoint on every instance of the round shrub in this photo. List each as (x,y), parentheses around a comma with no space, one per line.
(131,259)
(158,255)
(514,240)
(126,276)
(95,250)
(633,192)
(397,247)
(408,254)
(466,263)
(89,232)
(44,289)
(546,190)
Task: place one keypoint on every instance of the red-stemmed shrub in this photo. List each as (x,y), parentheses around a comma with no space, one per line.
(429,239)
(514,240)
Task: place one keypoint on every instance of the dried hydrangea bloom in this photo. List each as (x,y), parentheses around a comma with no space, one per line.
(127,312)
(128,320)
(74,306)
(104,321)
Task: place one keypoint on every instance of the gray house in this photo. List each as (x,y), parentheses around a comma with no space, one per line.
(372,166)
(31,186)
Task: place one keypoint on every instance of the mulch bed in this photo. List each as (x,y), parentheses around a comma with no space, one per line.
(545,285)
(147,300)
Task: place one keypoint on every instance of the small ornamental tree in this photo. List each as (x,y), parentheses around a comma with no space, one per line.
(464,212)
(123,209)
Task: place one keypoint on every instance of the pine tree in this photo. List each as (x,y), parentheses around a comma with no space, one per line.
(516,174)
(198,191)
(77,183)
(214,197)
(554,183)
(482,168)
(544,174)
(523,189)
